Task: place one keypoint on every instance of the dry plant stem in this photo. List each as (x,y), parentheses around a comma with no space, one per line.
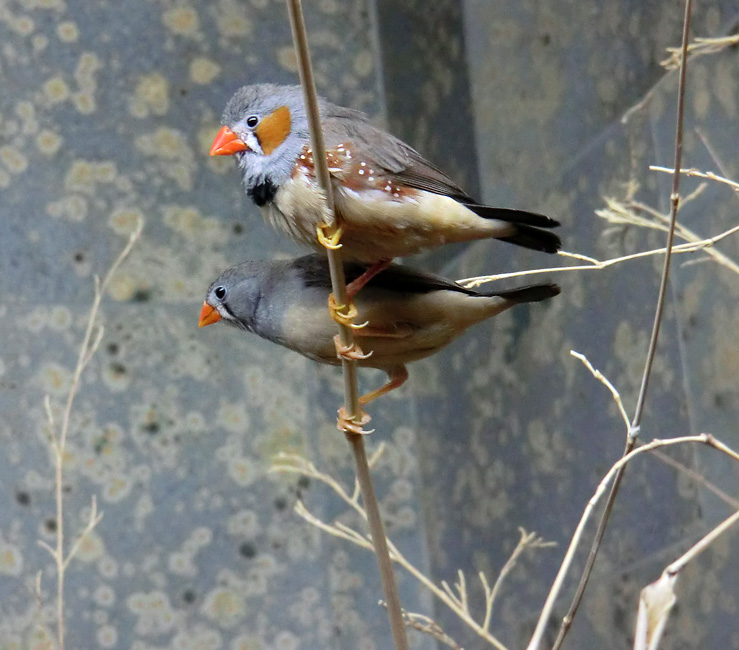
(661,222)
(703,438)
(698,478)
(338,284)
(453,597)
(692,474)
(379,541)
(90,343)
(702,545)
(699,47)
(429,626)
(692,171)
(674,204)
(636,421)
(336,268)
(597,265)
(658,598)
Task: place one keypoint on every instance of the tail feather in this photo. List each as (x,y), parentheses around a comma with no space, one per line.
(513,216)
(528,225)
(531,293)
(535,239)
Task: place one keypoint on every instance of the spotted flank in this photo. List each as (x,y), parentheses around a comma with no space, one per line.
(354,173)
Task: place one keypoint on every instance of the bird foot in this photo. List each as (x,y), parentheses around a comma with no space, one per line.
(343,314)
(330,241)
(350,352)
(353,425)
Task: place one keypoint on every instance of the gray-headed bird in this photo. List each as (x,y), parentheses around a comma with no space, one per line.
(410,314)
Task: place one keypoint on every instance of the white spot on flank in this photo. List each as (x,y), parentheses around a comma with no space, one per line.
(361,171)
(363,164)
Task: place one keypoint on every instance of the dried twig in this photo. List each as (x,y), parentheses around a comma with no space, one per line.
(692,171)
(594,264)
(428,626)
(668,460)
(338,284)
(455,597)
(58,438)
(703,438)
(657,599)
(699,47)
(633,433)
(641,214)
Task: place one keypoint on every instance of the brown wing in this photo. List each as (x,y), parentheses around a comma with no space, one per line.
(400,162)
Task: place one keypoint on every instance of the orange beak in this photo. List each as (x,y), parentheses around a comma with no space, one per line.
(227,143)
(208,315)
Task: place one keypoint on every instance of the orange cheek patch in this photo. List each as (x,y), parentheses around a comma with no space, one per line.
(273,129)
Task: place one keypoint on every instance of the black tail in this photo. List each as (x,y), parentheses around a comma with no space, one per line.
(538,240)
(528,234)
(532,293)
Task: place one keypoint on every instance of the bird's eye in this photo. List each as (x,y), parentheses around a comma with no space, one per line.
(252,121)
(220,292)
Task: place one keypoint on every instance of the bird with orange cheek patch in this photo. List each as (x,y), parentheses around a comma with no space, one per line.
(390,200)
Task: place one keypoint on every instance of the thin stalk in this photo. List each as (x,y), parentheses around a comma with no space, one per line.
(336,268)
(379,541)
(636,421)
(338,283)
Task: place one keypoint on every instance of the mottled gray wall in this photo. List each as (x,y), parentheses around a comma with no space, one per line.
(106,114)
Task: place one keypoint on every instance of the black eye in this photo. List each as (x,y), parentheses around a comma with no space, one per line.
(220,292)
(252,121)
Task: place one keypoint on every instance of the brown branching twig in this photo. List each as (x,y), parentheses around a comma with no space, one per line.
(428,626)
(338,284)
(699,47)
(58,437)
(657,599)
(641,399)
(703,438)
(594,264)
(454,596)
(667,460)
(633,212)
(697,173)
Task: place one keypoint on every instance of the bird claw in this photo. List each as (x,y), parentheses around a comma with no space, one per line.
(350,352)
(353,425)
(329,241)
(339,315)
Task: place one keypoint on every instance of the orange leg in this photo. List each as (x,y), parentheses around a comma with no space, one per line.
(355,286)
(397,376)
(345,314)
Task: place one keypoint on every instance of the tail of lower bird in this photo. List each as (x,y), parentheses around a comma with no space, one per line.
(528,227)
(531,293)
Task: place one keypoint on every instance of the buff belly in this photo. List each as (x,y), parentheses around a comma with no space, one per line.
(376,226)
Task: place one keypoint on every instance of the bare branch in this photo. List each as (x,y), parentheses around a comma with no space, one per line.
(699,47)
(595,264)
(90,343)
(604,380)
(93,520)
(703,438)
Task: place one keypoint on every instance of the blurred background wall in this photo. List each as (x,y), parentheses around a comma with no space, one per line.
(107,112)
